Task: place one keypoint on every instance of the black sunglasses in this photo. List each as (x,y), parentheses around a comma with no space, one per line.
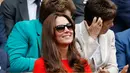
(61,28)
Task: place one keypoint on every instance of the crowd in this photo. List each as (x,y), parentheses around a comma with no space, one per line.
(64,36)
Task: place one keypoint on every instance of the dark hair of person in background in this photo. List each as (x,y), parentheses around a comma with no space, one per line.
(51,53)
(56,6)
(105,9)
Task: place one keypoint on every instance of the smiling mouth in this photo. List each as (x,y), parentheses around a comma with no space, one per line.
(67,36)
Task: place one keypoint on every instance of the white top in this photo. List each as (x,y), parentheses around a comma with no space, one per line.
(96,58)
(32,8)
(94,51)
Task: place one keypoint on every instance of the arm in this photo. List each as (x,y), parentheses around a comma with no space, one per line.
(17,47)
(121,57)
(3,61)
(112,63)
(9,15)
(3,37)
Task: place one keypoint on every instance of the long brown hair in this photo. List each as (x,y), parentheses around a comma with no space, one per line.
(51,54)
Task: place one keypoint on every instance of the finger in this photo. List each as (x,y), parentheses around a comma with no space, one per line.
(94,20)
(105,70)
(100,69)
(126,68)
(99,22)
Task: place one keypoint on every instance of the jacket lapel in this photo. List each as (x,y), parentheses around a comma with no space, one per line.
(39,32)
(24,9)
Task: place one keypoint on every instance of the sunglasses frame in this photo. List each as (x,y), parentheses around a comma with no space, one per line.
(61,28)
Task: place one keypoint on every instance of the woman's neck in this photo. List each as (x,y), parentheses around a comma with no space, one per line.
(63,50)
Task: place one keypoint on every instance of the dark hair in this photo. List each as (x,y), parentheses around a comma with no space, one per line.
(105,9)
(51,54)
(51,6)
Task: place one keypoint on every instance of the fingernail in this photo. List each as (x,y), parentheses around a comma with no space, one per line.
(95,17)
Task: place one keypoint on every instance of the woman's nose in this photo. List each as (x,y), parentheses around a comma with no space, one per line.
(66,29)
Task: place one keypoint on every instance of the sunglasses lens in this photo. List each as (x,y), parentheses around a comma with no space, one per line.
(61,28)
(69,26)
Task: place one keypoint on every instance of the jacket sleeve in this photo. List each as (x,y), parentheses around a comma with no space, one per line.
(3,61)
(112,63)
(17,47)
(9,15)
(120,54)
(3,37)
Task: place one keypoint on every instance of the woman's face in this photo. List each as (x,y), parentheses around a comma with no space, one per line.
(106,25)
(63,31)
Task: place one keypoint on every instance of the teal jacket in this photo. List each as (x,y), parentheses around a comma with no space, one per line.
(23,45)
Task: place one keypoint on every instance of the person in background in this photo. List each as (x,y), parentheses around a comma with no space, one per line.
(123,50)
(58,47)
(95,40)
(79,13)
(19,10)
(4,61)
(122,19)
(3,37)
(24,42)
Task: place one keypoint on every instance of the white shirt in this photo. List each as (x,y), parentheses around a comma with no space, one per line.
(96,58)
(32,8)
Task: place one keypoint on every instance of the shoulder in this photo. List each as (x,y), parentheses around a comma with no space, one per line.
(110,32)
(11,3)
(79,24)
(124,33)
(124,36)
(25,28)
(80,27)
(26,24)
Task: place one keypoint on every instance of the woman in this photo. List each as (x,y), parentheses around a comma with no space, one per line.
(24,44)
(96,40)
(58,45)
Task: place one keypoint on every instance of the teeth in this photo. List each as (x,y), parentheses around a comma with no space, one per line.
(66,36)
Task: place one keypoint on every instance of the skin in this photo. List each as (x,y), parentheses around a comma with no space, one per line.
(63,38)
(95,27)
(98,27)
(125,69)
(106,25)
